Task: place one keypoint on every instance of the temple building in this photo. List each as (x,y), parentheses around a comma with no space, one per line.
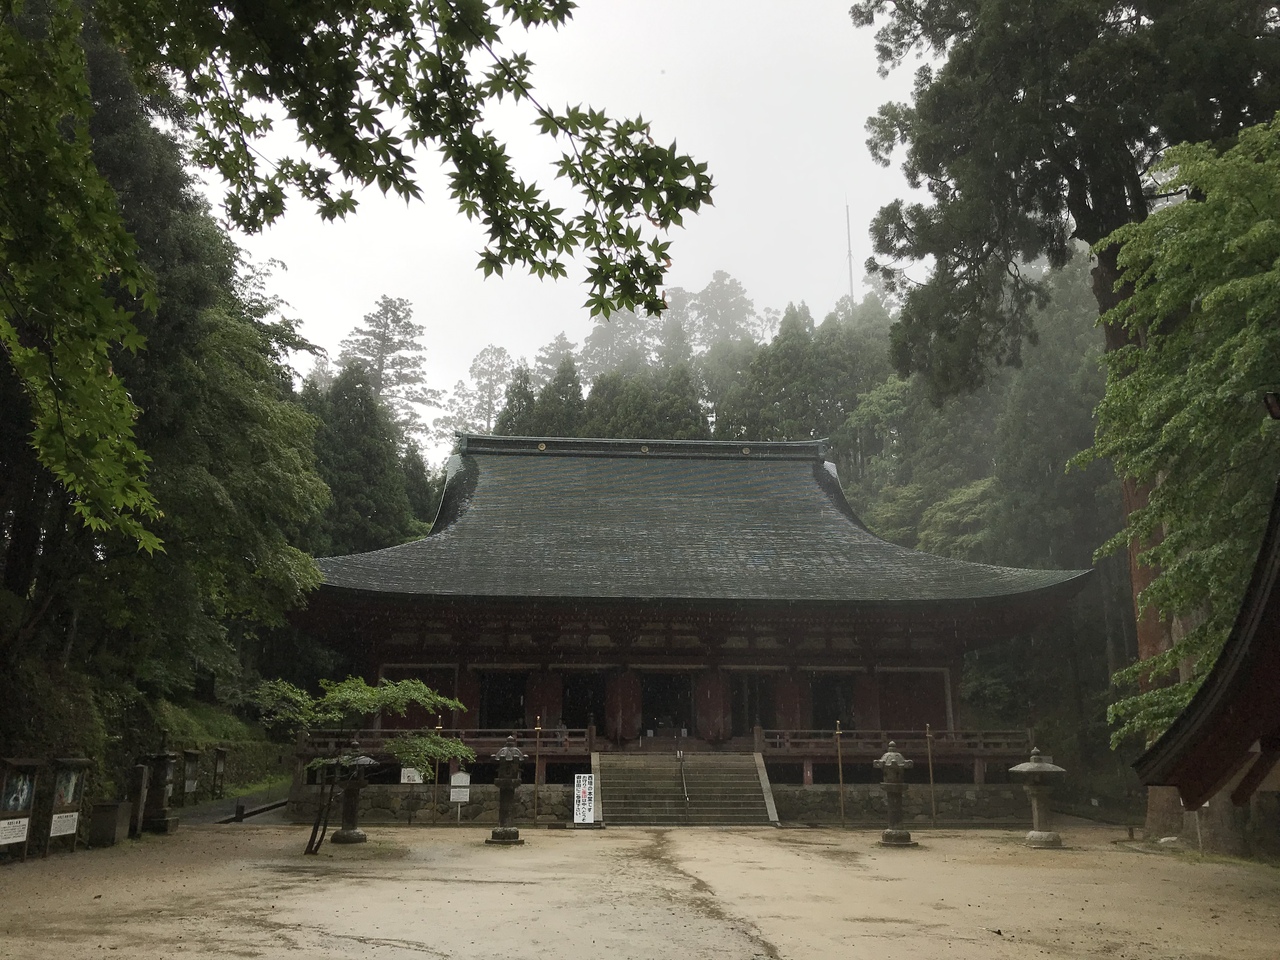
(636,596)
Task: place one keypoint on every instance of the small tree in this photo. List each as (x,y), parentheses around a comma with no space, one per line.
(344,706)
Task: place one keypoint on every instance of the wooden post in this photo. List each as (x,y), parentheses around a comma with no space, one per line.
(537,764)
(435,784)
(933,800)
(840,769)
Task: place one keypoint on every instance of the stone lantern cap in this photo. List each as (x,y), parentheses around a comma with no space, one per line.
(1037,769)
(893,760)
(509,751)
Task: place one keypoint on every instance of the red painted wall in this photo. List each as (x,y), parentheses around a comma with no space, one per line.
(909,700)
(622,702)
(712,705)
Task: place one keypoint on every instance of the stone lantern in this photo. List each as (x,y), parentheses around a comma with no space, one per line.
(350,831)
(893,763)
(1039,775)
(508,778)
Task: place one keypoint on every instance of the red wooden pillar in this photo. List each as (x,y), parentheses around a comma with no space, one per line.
(543,697)
(866,701)
(468,692)
(622,707)
(792,702)
(713,706)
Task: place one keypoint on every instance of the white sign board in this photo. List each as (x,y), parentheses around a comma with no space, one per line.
(63,824)
(460,788)
(584,798)
(13,831)
(410,775)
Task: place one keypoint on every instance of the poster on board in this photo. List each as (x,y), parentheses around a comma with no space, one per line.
(584,798)
(13,831)
(460,788)
(63,824)
(410,775)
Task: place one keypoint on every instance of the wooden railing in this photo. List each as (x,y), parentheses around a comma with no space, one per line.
(549,741)
(855,745)
(870,744)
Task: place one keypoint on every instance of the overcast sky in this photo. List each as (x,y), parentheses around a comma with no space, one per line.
(772,95)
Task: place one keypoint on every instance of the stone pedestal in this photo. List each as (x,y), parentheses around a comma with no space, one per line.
(1040,835)
(896,835)
(350,832)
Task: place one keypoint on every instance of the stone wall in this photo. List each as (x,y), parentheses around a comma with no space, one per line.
(958,804)
(402,803)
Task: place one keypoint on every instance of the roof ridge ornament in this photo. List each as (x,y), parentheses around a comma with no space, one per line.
(473,444)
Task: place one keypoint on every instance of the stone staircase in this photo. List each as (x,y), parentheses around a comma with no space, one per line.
(646,790)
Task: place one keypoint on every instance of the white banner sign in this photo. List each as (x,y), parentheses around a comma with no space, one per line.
(584,798)
(410,775)
(460,788)
(13,831)
(63,824)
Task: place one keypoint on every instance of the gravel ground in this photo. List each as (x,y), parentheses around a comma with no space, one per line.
(247,891)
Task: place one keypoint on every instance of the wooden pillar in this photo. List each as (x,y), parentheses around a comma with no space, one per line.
(979,770)
(792,702)
(543,697)
(540,771)
(622,706)
(808,773)
(866,701)
(468,692)
(713,706)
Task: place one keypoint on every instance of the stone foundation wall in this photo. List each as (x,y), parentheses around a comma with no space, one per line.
(864,804)
(405,804)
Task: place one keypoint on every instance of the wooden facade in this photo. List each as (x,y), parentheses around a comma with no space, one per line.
(636,595)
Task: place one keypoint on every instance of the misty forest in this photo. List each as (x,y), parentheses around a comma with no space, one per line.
(1057,357)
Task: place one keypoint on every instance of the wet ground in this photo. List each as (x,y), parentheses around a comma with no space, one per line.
(247,891)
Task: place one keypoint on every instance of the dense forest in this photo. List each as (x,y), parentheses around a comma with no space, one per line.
(166,476)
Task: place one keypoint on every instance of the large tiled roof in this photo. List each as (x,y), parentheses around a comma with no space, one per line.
(608,519)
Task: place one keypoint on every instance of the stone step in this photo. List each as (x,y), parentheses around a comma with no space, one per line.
(660,790)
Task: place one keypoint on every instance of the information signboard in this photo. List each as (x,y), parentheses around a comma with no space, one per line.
(584,798)
(14,831)
(460,788)
(63,824)
(410,775)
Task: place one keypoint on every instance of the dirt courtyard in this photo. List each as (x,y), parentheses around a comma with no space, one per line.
(247,891)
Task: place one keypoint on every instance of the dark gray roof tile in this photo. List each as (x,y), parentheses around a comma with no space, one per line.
(606,519)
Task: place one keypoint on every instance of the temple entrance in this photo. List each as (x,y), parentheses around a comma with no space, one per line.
(752,702)
(584,692)
(833,700)
(667,702)
(502,699)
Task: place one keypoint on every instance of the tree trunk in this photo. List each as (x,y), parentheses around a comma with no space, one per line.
(1164,809)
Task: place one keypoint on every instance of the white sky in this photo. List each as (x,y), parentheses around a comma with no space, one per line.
(772,95)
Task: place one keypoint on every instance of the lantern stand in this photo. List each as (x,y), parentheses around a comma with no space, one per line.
(1040,773)
(893,764)
(350,831)
(508,778)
